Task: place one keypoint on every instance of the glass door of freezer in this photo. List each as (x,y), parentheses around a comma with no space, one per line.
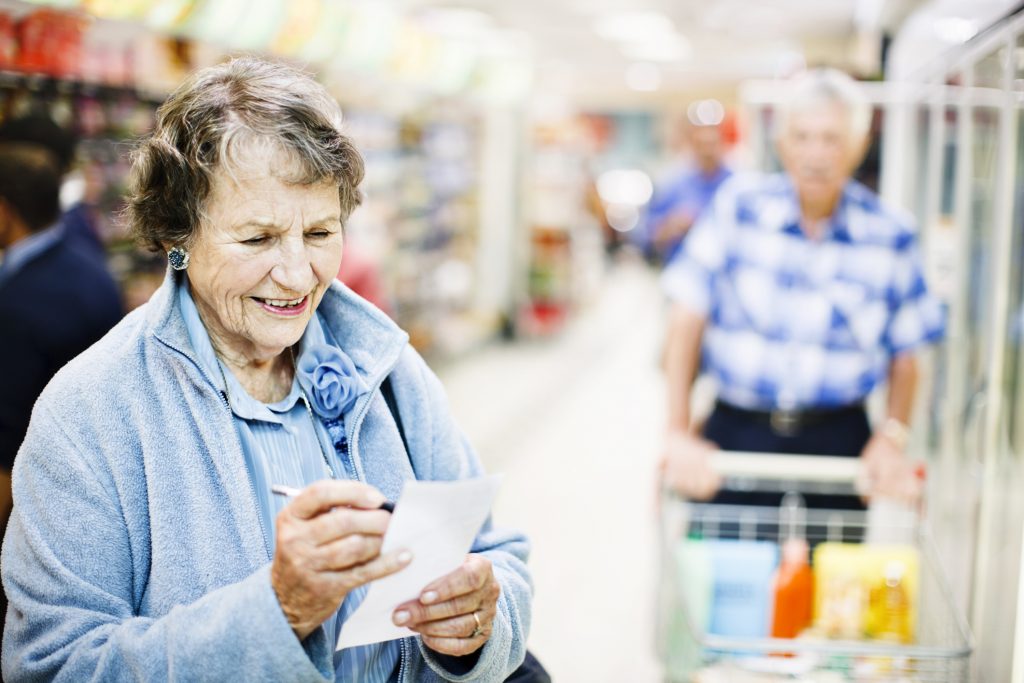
(994,289)
(954,484)
(1013,377)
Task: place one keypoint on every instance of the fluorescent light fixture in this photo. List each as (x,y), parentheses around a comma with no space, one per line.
(505,43)
(456,21)
(643,77)
(710,112)
(674,49)
(955,29)
(705,112)
(629,27)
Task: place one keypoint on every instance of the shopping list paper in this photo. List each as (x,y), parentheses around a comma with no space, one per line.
(436,521)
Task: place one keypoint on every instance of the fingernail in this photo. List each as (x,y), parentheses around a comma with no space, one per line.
(401,617)
(405,557)
(428,597)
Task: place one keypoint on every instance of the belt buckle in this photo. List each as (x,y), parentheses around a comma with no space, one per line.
(785,422)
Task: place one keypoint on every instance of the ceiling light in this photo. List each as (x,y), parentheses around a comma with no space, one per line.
(643,77)
(625,186)
(705,113)
(455,21)
(676,49)
(633,26)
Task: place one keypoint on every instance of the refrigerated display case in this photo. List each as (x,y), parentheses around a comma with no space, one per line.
(975,96)
(952,153)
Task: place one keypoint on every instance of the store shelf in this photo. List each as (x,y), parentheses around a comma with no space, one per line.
(44,85)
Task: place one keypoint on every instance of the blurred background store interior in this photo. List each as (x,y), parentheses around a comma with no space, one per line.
(512,151)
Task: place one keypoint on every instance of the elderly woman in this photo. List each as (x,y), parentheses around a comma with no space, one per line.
(145,542)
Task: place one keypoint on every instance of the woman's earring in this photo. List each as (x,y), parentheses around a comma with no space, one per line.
(178,258)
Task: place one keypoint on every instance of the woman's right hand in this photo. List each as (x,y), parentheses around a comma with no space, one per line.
(686,466)
(328,543)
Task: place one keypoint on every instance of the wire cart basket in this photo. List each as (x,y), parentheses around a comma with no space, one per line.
(941,646)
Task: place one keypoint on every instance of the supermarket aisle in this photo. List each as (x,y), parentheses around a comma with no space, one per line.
(574,425)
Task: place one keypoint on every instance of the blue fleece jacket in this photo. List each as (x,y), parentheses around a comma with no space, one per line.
(135,550)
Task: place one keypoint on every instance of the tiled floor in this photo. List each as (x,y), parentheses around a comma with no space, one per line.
(574,425)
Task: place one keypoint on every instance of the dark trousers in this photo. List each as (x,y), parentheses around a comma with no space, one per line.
(843,432)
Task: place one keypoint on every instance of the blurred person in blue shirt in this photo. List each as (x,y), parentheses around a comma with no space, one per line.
(800,293)
(678,203)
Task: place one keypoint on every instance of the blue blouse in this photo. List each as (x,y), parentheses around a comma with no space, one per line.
(285,443)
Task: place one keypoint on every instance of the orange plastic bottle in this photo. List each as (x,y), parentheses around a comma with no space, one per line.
(794,591)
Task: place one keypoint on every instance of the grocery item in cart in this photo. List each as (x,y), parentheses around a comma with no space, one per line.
(696,579)
(793,605)
(889,607)
(866,591)
(742,573)
(867,642)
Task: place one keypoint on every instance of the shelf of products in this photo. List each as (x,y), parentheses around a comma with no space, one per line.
(564,239)
(419,224)
(104,118)
(420,220)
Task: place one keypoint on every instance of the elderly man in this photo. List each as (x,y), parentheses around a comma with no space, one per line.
(804,292)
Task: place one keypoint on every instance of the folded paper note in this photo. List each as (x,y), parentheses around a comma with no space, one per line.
(436,521)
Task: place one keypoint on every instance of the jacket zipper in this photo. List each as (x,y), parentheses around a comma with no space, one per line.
(403,645)
(358,423)
(238,445)
(353,453)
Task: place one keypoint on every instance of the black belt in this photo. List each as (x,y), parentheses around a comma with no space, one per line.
(791,422)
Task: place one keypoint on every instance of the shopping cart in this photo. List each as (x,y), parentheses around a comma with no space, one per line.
(942,645)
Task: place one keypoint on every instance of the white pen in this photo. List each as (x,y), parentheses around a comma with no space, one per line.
(291,492)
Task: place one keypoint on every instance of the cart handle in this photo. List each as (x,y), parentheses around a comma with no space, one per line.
(777,466)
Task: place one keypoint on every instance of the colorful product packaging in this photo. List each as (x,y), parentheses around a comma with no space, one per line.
(866,591)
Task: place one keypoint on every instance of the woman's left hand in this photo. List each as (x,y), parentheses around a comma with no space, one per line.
(455,614)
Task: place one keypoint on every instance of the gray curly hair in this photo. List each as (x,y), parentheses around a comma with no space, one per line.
(219,114)
(828,86)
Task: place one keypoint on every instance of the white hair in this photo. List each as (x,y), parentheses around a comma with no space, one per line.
(828,86)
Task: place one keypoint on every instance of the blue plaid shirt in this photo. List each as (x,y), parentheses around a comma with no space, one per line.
(799,323)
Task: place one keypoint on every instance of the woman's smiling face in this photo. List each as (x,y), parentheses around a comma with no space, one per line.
(263,257)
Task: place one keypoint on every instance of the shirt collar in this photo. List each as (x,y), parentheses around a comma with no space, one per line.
(371,339)
(27,248)
(242,404)
(784,215)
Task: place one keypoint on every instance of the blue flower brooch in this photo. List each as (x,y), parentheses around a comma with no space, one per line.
(330,380)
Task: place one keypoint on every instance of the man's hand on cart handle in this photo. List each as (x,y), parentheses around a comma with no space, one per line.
(686,466)
(887,472)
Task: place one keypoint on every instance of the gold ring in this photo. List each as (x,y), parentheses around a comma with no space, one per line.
(479,627)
